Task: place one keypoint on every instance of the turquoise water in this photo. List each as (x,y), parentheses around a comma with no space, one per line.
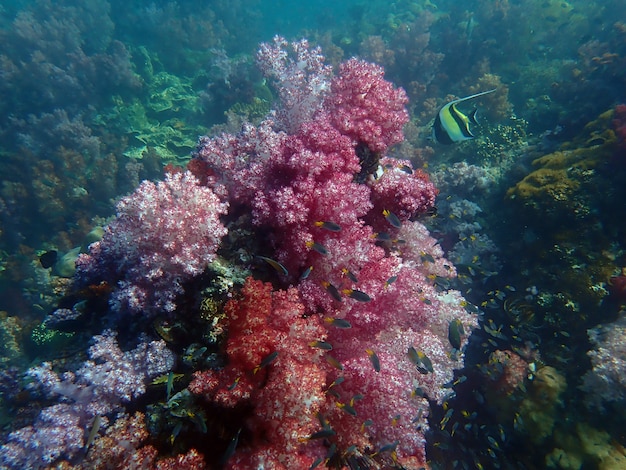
(98,96)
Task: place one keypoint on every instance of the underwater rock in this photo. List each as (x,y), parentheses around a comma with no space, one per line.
(558,184)
(66,265)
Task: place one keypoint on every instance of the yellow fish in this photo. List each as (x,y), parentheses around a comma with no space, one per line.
(451,125)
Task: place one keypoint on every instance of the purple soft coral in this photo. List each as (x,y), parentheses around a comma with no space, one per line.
(106,381)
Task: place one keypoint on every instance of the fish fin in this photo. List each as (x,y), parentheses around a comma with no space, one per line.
(470,97)
(472,116)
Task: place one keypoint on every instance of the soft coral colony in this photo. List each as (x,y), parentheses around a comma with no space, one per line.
(335,361)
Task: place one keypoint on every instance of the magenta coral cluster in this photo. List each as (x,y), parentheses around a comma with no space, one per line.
(366,107)
(336,360)
(341,362)
(164,234)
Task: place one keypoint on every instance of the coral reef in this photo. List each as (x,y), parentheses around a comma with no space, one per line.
(573,192)
(365,107)
(331,211)
(337,359)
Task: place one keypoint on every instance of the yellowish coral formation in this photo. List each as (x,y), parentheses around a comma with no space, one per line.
(559,175)
(539,409)
(587,446)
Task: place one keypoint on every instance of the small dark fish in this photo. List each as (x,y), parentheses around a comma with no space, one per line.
(455,330)
(493,330)
(95,427)
(446,418)
(275,264)
(49,258)
(388,447)
(232,446)
(330,226)
(317,247)
(350,275)
(421,360)
(337,322)
(480,399)
(199,421)
(337,381)
(321,345)
(170,386)
(332,290)
(332,450)
(234,384)
(306,273)
(392,218)
(373,359)
(427,257)
(391,280)
(382,237)
(175,432)
(442,282)
(347,408)
(316,463)
(460,380)
(357,295)
(322,434)
(407,169)
(333,362)
(323,421)
(418,392)
(267,360)
(455,426)
(469,415)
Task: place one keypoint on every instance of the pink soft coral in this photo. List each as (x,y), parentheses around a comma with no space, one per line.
(366,107)
(164,234)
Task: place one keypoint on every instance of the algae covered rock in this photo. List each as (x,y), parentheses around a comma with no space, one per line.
(566,182)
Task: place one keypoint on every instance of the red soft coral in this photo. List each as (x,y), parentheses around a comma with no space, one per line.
(286,391)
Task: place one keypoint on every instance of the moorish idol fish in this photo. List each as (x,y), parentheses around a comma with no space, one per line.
(451,125)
